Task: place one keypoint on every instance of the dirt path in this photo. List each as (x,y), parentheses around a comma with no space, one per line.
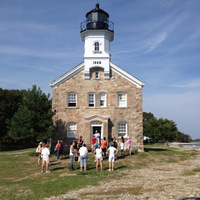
(159,181)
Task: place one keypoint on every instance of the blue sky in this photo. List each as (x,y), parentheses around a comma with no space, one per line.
(157,41)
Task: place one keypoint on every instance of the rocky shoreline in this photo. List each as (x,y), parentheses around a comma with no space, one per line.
(184,145)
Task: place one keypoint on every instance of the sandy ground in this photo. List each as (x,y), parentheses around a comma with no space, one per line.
(157,181)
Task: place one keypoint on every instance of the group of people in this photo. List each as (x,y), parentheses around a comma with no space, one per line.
(100,149)
(79,152)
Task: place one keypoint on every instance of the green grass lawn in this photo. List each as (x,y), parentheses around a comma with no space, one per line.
(21,177)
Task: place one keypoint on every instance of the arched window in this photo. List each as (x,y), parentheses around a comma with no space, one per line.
(71,130)
(96,46)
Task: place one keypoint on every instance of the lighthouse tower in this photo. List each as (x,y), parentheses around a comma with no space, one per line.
(97,32)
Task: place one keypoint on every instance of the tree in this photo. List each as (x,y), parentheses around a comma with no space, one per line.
(181,137)
(159,129)
(9,103)
(147,117)
(162,129)
(33,120)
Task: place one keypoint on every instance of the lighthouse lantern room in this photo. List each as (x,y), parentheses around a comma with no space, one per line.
(97,32)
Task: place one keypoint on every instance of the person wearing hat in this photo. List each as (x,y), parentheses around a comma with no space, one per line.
(45,154)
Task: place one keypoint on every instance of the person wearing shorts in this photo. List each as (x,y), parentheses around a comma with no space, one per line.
(112,151)
(45,154)
(83,157)
(99,158)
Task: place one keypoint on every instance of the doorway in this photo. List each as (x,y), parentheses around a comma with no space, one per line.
(96,126)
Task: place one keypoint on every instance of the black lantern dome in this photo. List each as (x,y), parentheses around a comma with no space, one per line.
(97,19)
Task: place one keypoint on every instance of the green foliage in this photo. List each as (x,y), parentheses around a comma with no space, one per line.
(33,119)
(9,103)
(162,129)
(181,137)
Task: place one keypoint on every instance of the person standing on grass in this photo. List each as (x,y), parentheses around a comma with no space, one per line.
(122,146)
(59,149)
(99,158)
(79,145)
(45,154)
(128,146)
(94,139)
(39,150)
(112,151)
(71,155)
(104,146)
(83,157)
(95,147)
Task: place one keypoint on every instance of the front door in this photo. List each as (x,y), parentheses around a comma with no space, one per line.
(96,126)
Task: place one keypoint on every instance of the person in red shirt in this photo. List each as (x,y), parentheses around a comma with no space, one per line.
(104,146)
(59,149)
(94,139)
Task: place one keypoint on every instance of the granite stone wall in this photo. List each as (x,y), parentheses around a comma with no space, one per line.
(109,116)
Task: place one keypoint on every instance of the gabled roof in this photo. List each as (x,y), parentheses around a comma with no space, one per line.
(80,68)
(126,75)
(67,75)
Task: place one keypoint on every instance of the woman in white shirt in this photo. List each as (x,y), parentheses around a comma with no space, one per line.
(99,158)
(83,157)
(112,151)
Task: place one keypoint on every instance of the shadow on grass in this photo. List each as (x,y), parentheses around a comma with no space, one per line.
(121,167)
(53,163)
(58,168)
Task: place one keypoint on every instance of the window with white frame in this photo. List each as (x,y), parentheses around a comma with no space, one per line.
(122,99)
(71,100)
(71,130)
(122,129)
(102,99)
(91,99)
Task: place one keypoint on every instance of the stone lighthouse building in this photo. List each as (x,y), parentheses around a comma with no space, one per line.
(97,94)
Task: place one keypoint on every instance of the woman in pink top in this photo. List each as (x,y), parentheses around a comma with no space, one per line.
(128,146)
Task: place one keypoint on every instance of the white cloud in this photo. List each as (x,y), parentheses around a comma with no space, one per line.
(193,84)
(152,43)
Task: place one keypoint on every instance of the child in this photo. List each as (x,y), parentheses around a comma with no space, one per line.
(112,151)
(99,158)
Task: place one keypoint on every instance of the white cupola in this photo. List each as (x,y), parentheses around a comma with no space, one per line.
(97,32)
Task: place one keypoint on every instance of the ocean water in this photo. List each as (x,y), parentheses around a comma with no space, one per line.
(195,145)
